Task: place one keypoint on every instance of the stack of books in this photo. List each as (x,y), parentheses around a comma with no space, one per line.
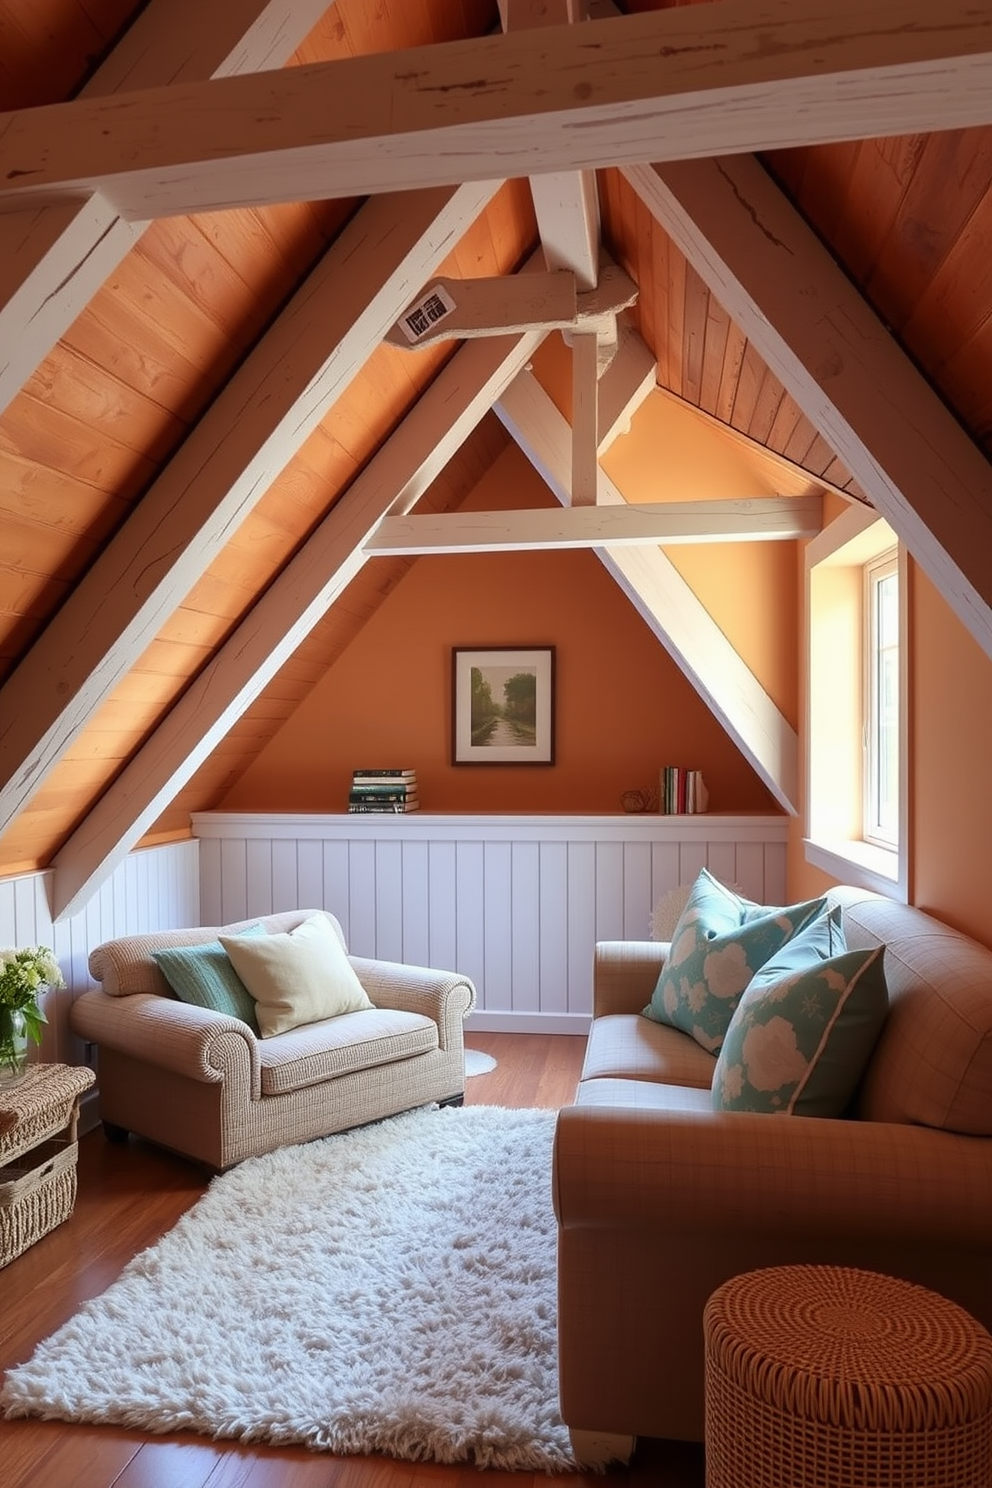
(682,792)
(390,791)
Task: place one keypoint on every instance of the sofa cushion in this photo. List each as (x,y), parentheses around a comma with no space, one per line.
(642,1095)
(298,977)
(718,944)
(804,1028)
(629,1047)
(203,975)
(316,1052)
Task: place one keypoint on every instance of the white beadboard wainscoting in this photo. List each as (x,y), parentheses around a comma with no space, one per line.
(157,888)
(515,902)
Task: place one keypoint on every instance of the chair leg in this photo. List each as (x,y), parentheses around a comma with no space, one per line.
(596,1449)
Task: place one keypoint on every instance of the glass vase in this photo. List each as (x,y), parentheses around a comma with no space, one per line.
(13,1045)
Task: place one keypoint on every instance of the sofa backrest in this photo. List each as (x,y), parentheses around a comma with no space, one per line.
(932,1064)
(127,965)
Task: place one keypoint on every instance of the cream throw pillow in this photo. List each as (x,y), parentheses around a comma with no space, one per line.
(296,978)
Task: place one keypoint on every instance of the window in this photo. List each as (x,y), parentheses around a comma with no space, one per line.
(856,703)
(881,720)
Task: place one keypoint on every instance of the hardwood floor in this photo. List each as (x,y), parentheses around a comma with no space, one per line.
(128,1197)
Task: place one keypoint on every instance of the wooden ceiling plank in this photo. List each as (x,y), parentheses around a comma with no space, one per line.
(759,519)
(667,604)
(681,83)
(393,481)
(248,435)
(831,352)
(54,259)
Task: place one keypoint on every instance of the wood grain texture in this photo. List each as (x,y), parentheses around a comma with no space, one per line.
(639,87)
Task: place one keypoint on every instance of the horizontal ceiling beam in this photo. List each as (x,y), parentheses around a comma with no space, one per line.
(758,519)
(843,367)
(692,81)
(399,474)
(667,604)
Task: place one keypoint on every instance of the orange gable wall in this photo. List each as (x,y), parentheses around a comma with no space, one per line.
(623,707)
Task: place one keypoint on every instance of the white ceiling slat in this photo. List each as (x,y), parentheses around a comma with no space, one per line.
(54,259)
(393,481)
(672,84)
(756,519)
(832,353)
(248,435)
(667,604)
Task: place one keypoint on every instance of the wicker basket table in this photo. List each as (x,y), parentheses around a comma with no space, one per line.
(38,1117)
(833,1377)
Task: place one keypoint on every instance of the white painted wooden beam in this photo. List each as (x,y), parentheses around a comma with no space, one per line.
(248,435)
(758,519)
(585,427)
(566,203)
(831,352)
(674,84)
(393,481)
(54,259)
(667,604)
(623,387)
(448,309)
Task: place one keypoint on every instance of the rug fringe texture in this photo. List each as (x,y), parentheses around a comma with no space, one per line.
(389,1290)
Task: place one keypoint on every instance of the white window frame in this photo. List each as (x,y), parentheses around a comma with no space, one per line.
(876,831)
(834,622)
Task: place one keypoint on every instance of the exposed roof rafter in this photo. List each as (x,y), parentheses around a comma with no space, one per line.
(248,435)
(395,479)
(844,369)
(54,259)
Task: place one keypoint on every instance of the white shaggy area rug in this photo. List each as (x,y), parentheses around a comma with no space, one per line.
(386,1290)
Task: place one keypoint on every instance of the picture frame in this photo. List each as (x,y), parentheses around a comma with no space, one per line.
(503,705)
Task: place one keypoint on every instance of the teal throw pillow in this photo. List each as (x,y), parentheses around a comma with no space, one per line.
(204,975)
(805,1027)
(719,943)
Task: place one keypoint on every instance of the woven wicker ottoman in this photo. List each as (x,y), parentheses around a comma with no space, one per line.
(832,1377)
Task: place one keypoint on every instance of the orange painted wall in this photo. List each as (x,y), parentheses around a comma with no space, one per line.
(623,707)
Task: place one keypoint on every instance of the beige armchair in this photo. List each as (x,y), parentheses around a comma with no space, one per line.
(205,1085)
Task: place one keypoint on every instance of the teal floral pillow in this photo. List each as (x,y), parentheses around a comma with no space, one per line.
(719,943)
(805,1027)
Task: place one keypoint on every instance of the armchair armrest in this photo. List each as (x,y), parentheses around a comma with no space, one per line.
(624,973)
(744,1176)
(177,1036)
(446,996)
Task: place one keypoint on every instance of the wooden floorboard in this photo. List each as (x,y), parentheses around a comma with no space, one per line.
(128,1197)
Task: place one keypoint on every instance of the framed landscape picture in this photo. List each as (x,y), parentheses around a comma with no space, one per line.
(503,706)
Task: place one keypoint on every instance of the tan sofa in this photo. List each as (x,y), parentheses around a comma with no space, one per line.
(202,1083)
(660,1198)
